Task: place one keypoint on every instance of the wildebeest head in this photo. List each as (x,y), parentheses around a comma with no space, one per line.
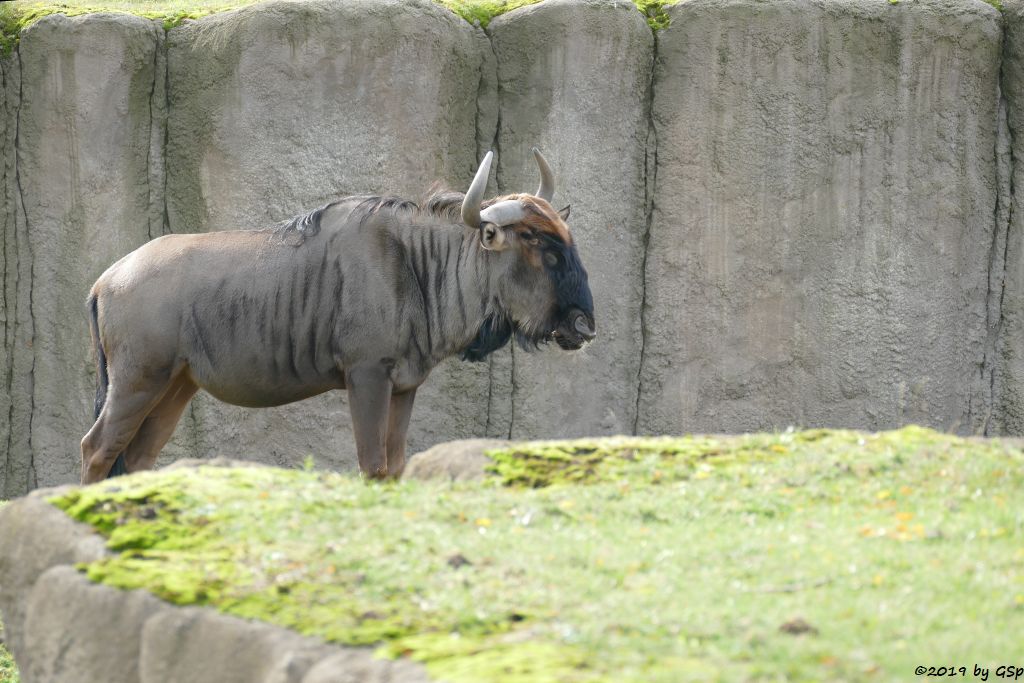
(536,269)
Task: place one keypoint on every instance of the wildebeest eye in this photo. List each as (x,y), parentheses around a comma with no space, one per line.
(532,239)
(551,259)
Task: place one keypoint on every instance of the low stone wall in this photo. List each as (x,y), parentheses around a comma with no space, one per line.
(62,628)
(796,212)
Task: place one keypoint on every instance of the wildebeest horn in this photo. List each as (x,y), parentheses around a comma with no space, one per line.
(475,193)
(546,191)
(504,213)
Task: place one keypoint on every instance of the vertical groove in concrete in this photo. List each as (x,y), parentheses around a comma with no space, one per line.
(156,162)
(19,466)
(1008,363)
(27,319)
(7,261)
(573,81)
(512,395)
(650,187)
(997,263)
(14,471)
(5,396)
(488,122)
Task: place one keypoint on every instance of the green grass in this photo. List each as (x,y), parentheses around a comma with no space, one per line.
(620,560)
(16,15)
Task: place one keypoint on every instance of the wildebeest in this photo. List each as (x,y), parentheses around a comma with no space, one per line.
(365,293)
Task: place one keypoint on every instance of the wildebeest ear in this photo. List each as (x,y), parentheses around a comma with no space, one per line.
(564,213)
(492,237)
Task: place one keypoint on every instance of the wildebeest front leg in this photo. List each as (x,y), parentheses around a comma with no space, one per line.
(398,426)
(369,392)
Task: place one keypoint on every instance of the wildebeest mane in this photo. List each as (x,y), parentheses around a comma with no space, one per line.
(439,203)
(297,230)
(444,203)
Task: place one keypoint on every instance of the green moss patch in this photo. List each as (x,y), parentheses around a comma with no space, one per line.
(648,460)
(17,15)
(824,555)
(483,11)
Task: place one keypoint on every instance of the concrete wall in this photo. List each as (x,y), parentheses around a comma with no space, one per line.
(823,215)
(83,173)
(796,212)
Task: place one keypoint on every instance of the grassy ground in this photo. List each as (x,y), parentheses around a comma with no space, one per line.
(807,556)
(16,15)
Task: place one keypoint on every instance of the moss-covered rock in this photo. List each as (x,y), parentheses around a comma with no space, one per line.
(618,559)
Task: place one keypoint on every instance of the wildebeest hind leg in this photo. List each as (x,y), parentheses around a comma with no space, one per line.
(369,391)
(398,426)
(159,425)
(128,403)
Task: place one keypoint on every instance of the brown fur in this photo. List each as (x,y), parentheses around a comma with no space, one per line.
(541,217)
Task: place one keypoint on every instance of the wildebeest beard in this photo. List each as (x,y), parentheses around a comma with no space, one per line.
(573,305)
(496,331)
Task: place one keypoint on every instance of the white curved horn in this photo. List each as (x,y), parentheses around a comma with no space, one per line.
(475,193)
(503,213)
(546,191)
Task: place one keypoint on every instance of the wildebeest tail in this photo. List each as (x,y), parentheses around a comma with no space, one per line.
(101,358)
(102,381)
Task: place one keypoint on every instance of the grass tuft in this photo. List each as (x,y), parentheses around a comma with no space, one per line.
(654,12)
(483,11)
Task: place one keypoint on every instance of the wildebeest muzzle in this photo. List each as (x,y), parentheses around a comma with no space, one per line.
(575,330)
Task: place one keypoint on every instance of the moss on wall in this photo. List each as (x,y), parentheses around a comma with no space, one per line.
(16,16)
